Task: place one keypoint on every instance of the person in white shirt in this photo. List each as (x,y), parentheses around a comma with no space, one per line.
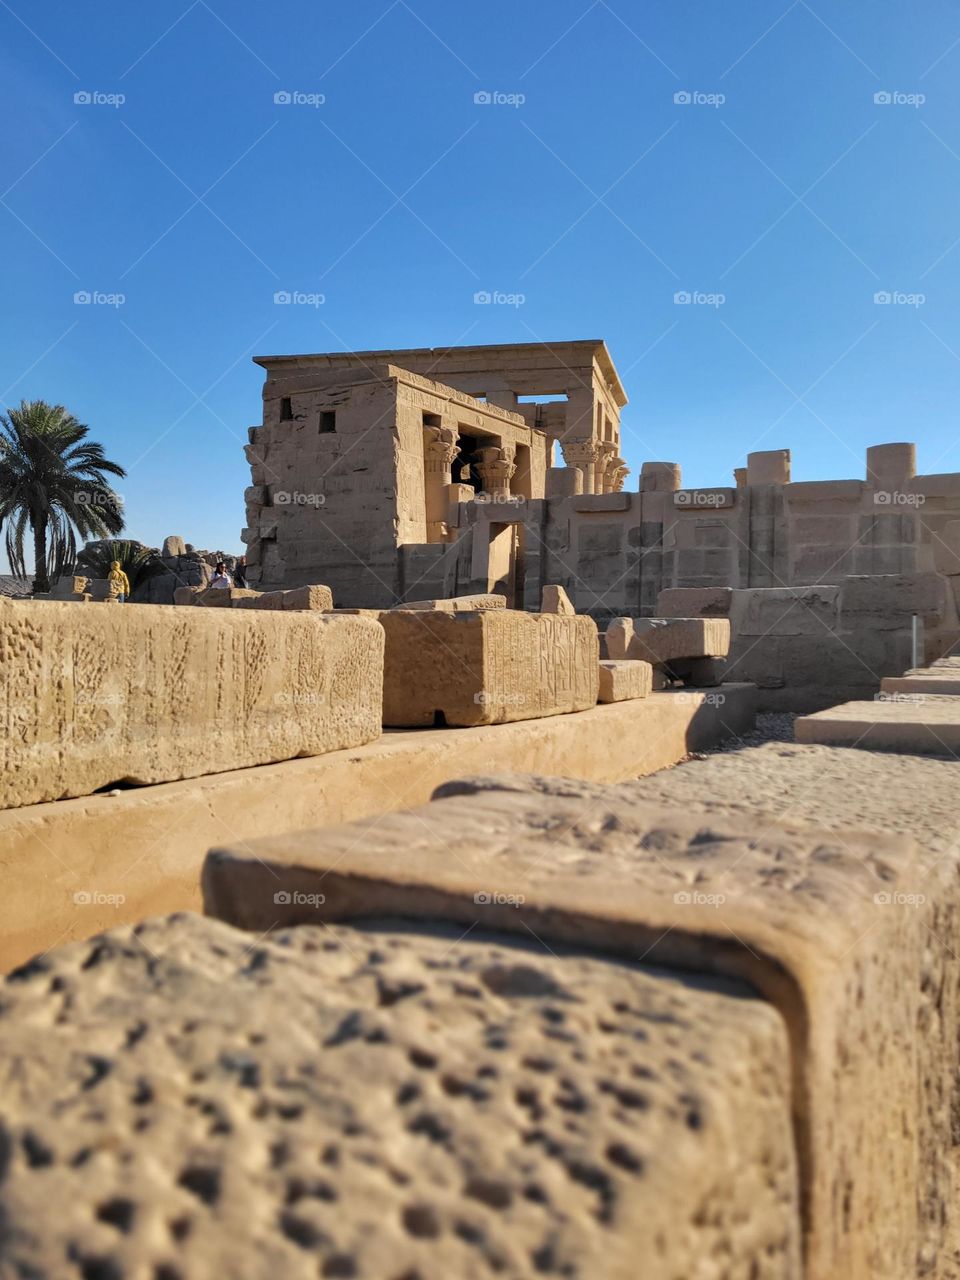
(220,577)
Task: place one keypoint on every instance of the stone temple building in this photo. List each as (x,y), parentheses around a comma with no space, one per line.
(386,472)
(405,475)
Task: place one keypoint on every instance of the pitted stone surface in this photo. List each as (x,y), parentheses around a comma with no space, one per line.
(813,919)
(841,790)
(885,792)
(138,694)
(184,1100)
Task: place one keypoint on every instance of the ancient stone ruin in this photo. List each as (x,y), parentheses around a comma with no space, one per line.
(520,876)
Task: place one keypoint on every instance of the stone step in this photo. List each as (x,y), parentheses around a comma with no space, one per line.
(930,726)
(924,681)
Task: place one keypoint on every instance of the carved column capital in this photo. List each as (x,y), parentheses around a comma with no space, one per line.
(496,468)
(439,448)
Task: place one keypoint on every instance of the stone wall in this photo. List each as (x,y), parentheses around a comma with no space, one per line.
(809,647)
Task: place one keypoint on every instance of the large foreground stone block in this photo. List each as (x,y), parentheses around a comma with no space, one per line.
(387,1102)
(912,795)
(663,640)
(96,696)
(487,667)
(793,910)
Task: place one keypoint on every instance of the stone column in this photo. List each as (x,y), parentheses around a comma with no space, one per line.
(617,475)
(607,466)
(583,454)
(439,451)
(496,469)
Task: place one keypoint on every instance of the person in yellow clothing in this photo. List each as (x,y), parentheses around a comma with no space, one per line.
(119,583)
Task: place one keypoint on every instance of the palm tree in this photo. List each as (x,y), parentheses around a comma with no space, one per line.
(138,562)
(52,480)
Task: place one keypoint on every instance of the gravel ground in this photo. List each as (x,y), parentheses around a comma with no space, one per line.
(772,726)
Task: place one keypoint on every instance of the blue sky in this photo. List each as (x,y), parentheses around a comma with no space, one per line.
(781,187)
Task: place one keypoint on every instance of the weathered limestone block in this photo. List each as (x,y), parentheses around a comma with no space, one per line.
(564,482)
(694,602)
(553,599)
(769,466)
(784,611)
(67,588)
(791,909)
(217,597)
(910,795)
(946,549)
(316,598)
(486,667)
(887,600)
(916,724)
(173,546)
(890,465)
(458,604)
(661,640)
(923,682)
(659,477)
(624,681)
(186,1100)
(97,696)
(706,673)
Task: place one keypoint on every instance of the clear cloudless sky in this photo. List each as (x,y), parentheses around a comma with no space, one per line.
(584,196)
